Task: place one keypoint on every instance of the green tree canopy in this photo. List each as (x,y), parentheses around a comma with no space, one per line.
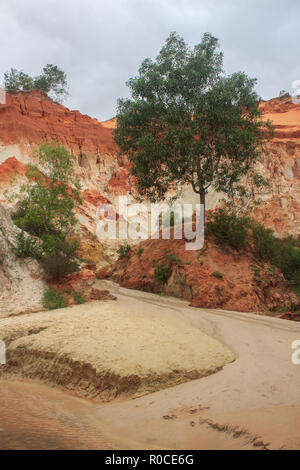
(52,81)
(17,80)
(189,123)
(49,198)
(46,210)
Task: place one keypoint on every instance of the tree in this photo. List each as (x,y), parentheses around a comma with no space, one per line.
(188,123)
(17,80)
(52,81)
(46,210)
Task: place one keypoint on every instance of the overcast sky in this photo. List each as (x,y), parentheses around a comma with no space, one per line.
(101,43)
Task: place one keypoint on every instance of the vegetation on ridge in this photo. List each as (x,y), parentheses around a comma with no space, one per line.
(240,232)
(52,81)
(45,212)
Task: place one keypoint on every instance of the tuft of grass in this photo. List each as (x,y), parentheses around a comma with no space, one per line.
(52,299)
(79,299)
(140,251)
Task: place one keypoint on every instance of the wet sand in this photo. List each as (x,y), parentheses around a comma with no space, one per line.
(36,416)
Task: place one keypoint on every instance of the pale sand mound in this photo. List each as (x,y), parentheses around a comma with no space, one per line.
(110,349)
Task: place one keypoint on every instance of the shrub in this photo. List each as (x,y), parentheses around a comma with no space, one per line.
(124,251)
(172,259)
(162,273)
(28,247)
(284,254)
(79,299)
(47,211)
(52,80)
(163,269)
(264,242)
(59,264)
(52,299)
(228,228)
(218,275)
(287,259)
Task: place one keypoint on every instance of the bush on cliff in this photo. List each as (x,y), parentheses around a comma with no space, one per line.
(52,81)
(240,232)
(265,244)
(46,211)
(124,251)
(284,254)
(163,267)
(228,228)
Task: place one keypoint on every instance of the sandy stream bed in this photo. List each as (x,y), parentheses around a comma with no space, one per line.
(143,343)
(108,349)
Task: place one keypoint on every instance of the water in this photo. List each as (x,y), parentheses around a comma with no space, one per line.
(35,416)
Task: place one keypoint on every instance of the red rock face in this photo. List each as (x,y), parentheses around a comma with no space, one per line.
(30,118)
(33,118)
(211,278)
(11,168)
(281,163)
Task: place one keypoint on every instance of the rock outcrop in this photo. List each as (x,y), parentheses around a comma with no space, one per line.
(30,118)
(280,209)
(21,280)
(209,278)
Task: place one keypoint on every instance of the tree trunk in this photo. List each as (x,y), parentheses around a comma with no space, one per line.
(202,201)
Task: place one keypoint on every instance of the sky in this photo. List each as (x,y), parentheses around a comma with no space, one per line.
(101,44)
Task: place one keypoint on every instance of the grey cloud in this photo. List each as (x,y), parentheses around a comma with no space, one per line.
(100,44)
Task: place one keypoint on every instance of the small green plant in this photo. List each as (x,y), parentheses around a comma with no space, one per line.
(218,275)
(163,266)
(172,259)
(140,251)
(52,299)
(124,251)
(79,299)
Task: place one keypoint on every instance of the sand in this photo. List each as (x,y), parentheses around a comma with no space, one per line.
(107,349)
(251,403)
(254,402)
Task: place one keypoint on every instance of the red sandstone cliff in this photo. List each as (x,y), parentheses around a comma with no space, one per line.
(28,119)
(281,163)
